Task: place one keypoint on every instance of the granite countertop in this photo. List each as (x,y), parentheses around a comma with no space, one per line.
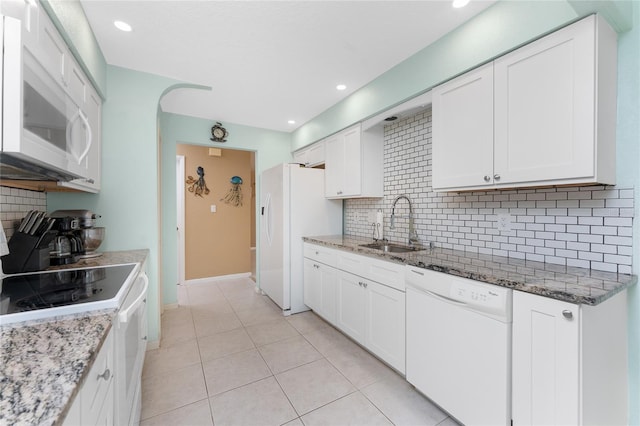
(44,362)
(569,284)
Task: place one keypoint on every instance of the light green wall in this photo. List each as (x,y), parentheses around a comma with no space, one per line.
(128,200)
(69,18)
(628,168)
(271,148)
(500,28)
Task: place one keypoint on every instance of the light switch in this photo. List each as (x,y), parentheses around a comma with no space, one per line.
(213,208)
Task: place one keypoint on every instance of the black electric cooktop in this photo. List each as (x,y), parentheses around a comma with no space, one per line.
(57,292)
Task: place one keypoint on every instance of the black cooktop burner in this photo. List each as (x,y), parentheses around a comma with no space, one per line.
(64,287)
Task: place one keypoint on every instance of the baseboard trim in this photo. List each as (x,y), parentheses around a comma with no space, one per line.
(171,306)
(220,278)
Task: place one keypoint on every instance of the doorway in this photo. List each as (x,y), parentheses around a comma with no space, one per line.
(215,213)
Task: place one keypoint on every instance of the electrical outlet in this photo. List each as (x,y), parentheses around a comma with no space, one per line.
(504,222)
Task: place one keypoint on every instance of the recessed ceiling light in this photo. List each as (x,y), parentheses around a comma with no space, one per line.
(460,3)
(122,26)
(291,121)
(341,87)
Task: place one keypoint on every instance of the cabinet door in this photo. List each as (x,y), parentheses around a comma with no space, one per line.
(51,51)
(545,108)
(352,313)
(312,284)
(328,302)
(315,154)
(463,131)
(334,167)
(386,324)
(352,175)
(546,361)
(301,157)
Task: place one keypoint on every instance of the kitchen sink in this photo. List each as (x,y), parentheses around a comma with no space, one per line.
(391,248)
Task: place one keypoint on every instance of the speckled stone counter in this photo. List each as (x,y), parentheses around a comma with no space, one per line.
(43,363)
(574,285)
(108,259)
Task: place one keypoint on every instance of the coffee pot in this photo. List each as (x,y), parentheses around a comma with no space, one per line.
(60,250)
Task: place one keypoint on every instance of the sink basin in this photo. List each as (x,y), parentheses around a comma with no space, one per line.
(391,248)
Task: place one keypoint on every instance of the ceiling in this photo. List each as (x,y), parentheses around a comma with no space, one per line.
(268,62)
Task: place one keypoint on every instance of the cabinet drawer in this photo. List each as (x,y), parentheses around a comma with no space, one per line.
(387,273)
(97,383)
(352,263)
(321,254)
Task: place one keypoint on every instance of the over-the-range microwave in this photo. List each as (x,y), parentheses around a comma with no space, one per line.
(45,134)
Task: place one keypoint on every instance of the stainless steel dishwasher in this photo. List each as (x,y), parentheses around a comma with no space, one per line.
(459,345)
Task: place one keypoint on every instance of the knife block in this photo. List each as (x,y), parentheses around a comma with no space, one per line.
(27,253)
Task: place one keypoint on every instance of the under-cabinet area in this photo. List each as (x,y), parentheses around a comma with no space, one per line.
(554,352)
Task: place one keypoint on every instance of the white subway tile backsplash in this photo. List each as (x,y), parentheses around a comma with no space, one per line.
(589,227)
(14,205)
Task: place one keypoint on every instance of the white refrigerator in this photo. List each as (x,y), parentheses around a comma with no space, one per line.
(292,206)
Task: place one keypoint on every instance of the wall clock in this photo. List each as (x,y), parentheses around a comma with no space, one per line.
(219,133)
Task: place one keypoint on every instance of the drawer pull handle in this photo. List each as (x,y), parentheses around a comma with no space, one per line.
(567,314)
(417,272)
(361,284)
(105,375)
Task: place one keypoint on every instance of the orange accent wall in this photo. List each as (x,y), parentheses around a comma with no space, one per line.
(217,243)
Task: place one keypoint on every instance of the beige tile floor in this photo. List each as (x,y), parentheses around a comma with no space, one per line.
(229,357)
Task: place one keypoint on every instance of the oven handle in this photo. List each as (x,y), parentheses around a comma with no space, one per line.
(126,314)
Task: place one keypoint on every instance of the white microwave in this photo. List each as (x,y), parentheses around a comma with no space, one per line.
(45,134)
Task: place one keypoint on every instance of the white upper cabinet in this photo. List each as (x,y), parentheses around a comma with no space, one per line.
(311,156)
(543,114)
(462,149)
(353,164)
(92,162)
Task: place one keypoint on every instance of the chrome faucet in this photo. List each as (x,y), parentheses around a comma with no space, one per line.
(413,235)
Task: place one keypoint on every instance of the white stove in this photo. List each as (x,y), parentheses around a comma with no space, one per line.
(48,294)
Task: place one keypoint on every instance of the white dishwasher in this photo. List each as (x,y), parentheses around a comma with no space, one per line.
(459,345)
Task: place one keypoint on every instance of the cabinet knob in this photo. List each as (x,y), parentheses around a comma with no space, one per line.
(487,178)
(105,375)
(339,192)
(90,181)
(496,176)
(567,314)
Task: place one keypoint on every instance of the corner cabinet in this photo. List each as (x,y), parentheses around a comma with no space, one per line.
(362,296)
(542,115)
(569,361)
(353,164)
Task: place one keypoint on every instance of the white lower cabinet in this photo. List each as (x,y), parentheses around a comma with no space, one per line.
(371,313)
(320,289)
(569,361)
(94,403)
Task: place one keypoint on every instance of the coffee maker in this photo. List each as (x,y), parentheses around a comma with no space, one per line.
(69,245)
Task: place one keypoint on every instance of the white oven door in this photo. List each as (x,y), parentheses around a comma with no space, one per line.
(132,344)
